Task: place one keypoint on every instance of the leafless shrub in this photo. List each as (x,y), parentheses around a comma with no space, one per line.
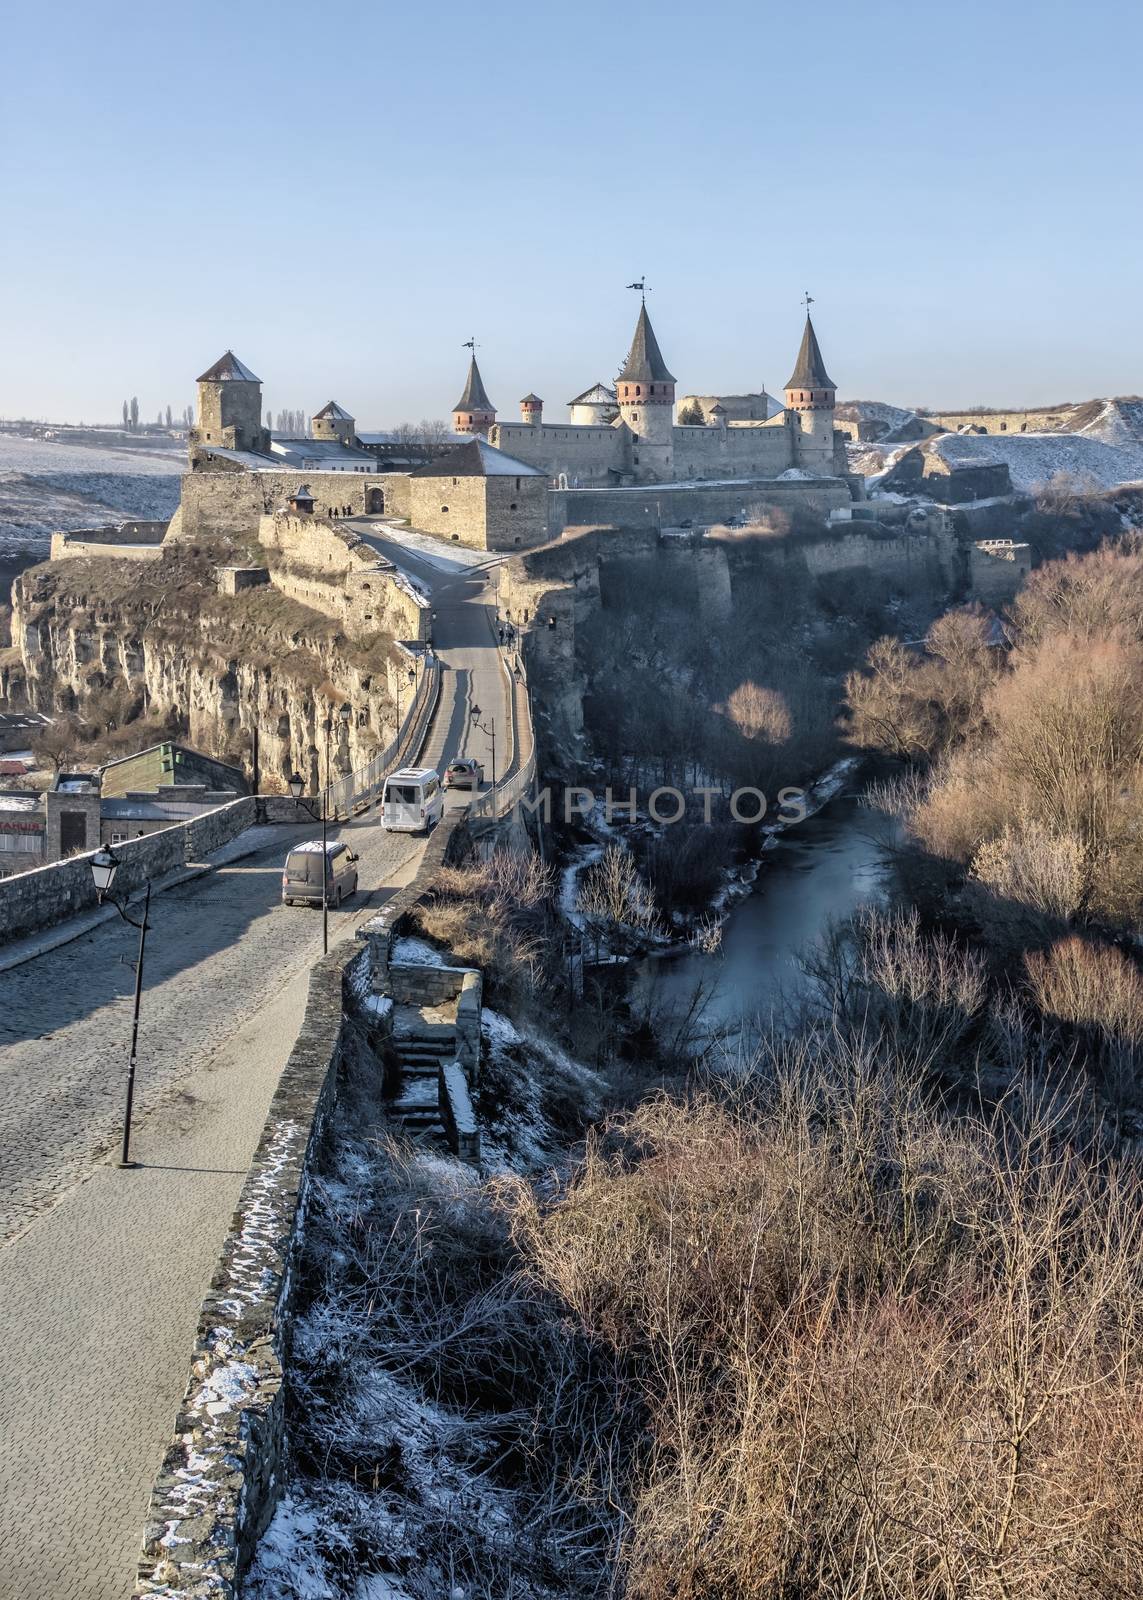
(882,1353)
(759,713)
(1096,991)
(613,895)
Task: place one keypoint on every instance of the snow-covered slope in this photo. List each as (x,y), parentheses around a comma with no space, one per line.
(872,411)
(45,487)
(1033,458)
(1117,422)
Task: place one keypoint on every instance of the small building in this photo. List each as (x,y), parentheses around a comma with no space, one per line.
(479,496)
(169,764)
(139,811)
(301,500)
(18,729)
(22,828)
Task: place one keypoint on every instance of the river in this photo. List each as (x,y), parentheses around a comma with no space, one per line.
(817,873)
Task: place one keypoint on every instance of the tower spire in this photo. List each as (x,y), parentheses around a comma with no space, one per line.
(474,411)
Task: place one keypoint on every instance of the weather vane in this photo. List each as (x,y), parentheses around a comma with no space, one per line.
(470,344)
(642,286)
(807,301)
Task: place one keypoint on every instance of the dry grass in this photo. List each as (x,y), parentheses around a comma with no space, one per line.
(497,914)
(883,1353)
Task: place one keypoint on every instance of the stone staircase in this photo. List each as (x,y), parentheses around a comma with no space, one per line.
(423,1039)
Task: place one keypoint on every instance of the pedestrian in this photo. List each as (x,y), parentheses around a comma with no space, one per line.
(501,633)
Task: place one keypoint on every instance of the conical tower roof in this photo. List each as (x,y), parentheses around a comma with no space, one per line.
(809,369)
(475,396)
(228,369)
(645,362)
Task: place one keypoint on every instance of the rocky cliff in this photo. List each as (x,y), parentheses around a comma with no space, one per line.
(159,637)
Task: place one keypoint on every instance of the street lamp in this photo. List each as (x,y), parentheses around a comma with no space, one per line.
(104,866)
(490,730)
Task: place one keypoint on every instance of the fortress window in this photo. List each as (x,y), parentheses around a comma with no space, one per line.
(444,508)
(512,507)
(517,484)
(638,388)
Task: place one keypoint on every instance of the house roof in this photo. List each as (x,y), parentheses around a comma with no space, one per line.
(475,396)
(311,452)
(598,395)
(809,369)
(334,412)
(476,459)
(645,362)
(531,400)
(228,369)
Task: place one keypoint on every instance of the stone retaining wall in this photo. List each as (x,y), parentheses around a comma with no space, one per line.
(32,900)
(223,1474)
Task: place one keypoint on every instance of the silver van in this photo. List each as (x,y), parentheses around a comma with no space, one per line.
(301,876)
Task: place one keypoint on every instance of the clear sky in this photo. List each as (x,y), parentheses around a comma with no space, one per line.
(344,194)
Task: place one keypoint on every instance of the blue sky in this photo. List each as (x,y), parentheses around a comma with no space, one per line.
(344,194)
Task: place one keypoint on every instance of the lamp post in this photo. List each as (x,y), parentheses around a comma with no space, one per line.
(104,866)
(490,730)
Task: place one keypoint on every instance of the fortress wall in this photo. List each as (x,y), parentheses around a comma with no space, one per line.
(47,894)
(997,568)
(732,452)
(330,570)
(1003,421)
(494,513)
(452,508)
(588,454)
(216,503)
(904,557)
(668,505)
(397,491)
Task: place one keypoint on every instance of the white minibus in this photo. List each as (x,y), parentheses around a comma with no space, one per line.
(411,801)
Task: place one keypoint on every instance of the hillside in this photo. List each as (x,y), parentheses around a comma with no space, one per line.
(45,487)
(1033,458)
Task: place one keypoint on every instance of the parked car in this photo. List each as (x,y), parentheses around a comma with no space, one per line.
(463,773)
(301,876)
(411,801)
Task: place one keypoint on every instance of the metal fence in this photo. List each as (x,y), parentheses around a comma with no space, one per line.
(362,788)
(505,795)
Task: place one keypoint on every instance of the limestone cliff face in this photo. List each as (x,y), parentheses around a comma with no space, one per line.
(93,631)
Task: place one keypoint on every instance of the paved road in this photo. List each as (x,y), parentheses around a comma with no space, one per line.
(103,1271)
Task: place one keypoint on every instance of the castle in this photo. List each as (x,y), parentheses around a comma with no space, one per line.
(628,435)
(498,485)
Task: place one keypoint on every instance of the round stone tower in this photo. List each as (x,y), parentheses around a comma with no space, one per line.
(810,397)
(645,391)
(532,411)
(334,422)
(474,411)
(230,408)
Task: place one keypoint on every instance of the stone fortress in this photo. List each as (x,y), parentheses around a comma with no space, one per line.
(621,458)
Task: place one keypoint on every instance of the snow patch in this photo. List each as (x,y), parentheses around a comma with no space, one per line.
(416,952)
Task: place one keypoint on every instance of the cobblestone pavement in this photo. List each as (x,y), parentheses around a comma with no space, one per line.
(103,1272)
